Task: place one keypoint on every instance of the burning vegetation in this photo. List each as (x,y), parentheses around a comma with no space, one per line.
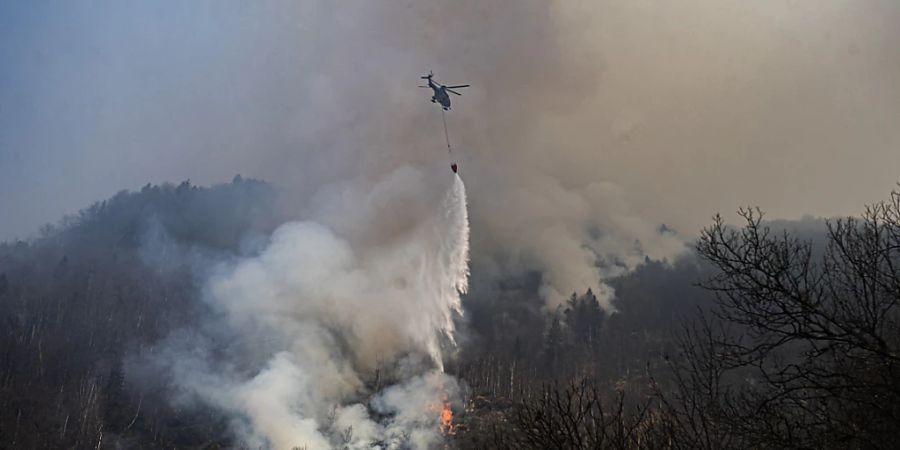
(445,416)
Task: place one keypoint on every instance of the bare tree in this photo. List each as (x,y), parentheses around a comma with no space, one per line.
(814,345)
(694,402)
(576,417)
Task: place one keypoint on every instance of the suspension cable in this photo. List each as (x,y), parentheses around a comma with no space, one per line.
(446,134)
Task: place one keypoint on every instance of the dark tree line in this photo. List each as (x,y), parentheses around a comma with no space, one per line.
(522,346)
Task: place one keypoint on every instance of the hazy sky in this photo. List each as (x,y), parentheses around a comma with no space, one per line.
(666,111)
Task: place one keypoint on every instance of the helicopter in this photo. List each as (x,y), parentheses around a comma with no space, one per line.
(440,91)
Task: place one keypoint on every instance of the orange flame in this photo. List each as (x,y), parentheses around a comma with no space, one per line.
(446,416)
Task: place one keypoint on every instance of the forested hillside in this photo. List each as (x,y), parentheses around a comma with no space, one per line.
(77,301)
(789,343)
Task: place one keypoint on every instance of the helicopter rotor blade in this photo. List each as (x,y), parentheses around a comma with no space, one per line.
(459,86)
(426,87)
(451,90)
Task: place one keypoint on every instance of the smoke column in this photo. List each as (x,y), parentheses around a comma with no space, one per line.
(335,344)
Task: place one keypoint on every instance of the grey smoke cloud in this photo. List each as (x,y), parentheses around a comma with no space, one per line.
(675,110)
(351,337)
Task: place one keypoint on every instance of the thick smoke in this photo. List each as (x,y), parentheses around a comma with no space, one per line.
(342,344)
(589,124)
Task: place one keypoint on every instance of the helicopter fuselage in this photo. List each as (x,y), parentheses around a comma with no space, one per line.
(440,95)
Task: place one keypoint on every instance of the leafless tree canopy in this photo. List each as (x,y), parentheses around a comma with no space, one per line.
(812,334)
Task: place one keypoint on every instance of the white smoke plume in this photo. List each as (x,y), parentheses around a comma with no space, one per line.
(343,344)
